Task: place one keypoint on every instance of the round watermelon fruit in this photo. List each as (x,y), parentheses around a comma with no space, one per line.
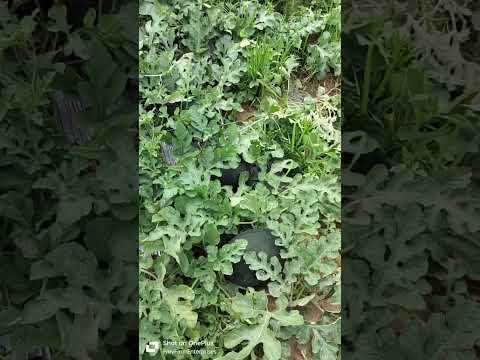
(258,240)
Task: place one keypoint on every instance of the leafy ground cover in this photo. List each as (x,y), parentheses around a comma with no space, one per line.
(223,85)
(68,211)
(411,180)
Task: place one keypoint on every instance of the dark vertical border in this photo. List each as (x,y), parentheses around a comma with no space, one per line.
(410,219)
(69,179)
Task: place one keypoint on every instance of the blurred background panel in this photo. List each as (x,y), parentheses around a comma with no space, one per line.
(410,179)
(69,180)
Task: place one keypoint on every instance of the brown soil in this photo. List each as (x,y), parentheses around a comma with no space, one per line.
(332,85)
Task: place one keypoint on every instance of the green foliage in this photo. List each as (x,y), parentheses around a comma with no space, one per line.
(308,132)
(323,56)
(269,62)
(411,183)
(68,213)
(201,64)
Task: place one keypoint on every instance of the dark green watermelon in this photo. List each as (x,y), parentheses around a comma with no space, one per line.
(230,177)
(258,240)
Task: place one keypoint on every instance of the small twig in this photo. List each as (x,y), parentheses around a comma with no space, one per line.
(5,295)
(223,290)
(44,285)
(149,273)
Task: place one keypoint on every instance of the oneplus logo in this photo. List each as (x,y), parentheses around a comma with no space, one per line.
(152,347)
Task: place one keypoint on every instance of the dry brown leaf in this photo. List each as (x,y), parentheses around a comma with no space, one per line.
(328,307)
(312,313)
(338,260)
(246,114)
(298,351)
(271,305)
(399,326)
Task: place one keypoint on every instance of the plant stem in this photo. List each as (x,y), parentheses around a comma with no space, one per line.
(366,80)
(44,285)
(149,273)
(100,9)
(223,290)
(5,295)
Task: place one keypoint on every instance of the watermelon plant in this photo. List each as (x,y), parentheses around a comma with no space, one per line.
(411,175)
(239,161)
(68,192)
